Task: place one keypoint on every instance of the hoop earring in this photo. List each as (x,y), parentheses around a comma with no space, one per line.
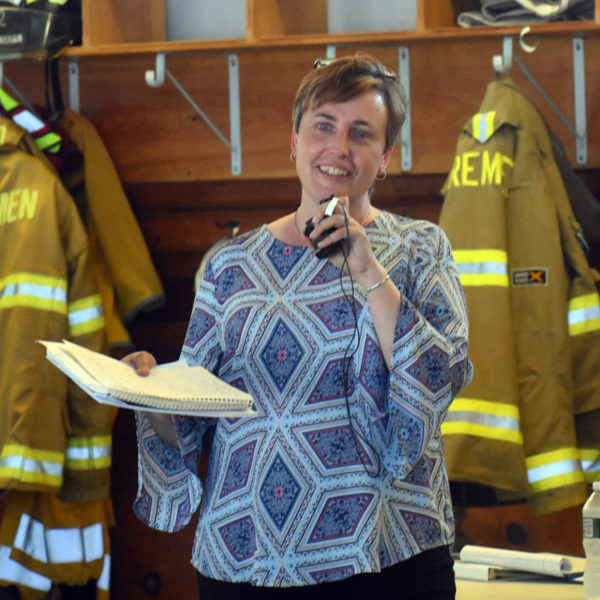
(381,176)
(292,157)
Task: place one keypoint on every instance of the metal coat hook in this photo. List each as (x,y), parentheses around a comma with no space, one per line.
(503,63)
(156,78)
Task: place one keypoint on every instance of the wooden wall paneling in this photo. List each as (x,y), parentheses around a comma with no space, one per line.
(154,135)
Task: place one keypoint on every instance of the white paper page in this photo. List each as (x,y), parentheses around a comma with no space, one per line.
(546,563)
(103,373)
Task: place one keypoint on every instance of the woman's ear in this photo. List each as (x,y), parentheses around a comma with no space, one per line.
(294,141)
(385,161)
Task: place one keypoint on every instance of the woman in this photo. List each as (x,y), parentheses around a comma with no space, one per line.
(337,488)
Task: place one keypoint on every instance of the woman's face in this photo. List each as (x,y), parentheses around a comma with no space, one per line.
(339,147)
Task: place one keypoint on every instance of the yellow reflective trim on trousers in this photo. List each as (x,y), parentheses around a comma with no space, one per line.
(17,574)
(483,418)
(584,314)
(483,267)
(59,545)
(483,125)
(557,468)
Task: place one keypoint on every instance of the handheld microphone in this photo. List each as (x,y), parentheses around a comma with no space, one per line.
(309,226)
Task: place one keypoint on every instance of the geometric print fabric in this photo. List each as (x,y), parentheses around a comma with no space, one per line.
(296,495)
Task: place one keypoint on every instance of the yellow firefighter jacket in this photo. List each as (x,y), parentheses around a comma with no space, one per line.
(534,312)
(126,275)
(127,280)
(51,438)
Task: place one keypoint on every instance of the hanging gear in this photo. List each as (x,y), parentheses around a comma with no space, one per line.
(38,28)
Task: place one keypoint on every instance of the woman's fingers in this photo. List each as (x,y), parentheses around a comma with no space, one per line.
(141,361)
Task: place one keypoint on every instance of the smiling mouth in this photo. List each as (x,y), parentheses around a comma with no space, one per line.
(334,171)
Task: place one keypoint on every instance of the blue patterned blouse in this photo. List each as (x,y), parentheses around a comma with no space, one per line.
(318,486)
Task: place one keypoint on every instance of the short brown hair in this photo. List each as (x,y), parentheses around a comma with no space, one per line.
(344,78)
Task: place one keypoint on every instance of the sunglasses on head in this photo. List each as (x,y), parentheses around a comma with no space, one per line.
(382,73)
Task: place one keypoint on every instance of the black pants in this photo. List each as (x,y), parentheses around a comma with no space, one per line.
(427,576)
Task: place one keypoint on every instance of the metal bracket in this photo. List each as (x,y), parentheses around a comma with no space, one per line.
(406,131)
(579,92)
(156,78)
(73,66)
(503,63)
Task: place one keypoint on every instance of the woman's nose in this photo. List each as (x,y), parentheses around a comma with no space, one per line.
(342,143)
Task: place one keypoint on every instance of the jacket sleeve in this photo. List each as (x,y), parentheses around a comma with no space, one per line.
(88,423)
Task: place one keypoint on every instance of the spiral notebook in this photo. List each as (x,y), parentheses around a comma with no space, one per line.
(172,387)
(482,563)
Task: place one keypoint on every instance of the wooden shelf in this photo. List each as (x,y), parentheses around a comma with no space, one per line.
(349,39)
(138,27)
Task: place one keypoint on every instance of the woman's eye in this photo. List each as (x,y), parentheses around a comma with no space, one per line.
(361,133)
(324,126)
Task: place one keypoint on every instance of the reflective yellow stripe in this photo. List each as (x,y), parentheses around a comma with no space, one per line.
(483,125)
(557,481)
(40,292)
(590,463)
(30,465)
(483,418)
(86,453)
(584,314)
(48,140)
(483,431)
(485,406)
(7,102)
(86,315)
(485,267)
(554,469)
